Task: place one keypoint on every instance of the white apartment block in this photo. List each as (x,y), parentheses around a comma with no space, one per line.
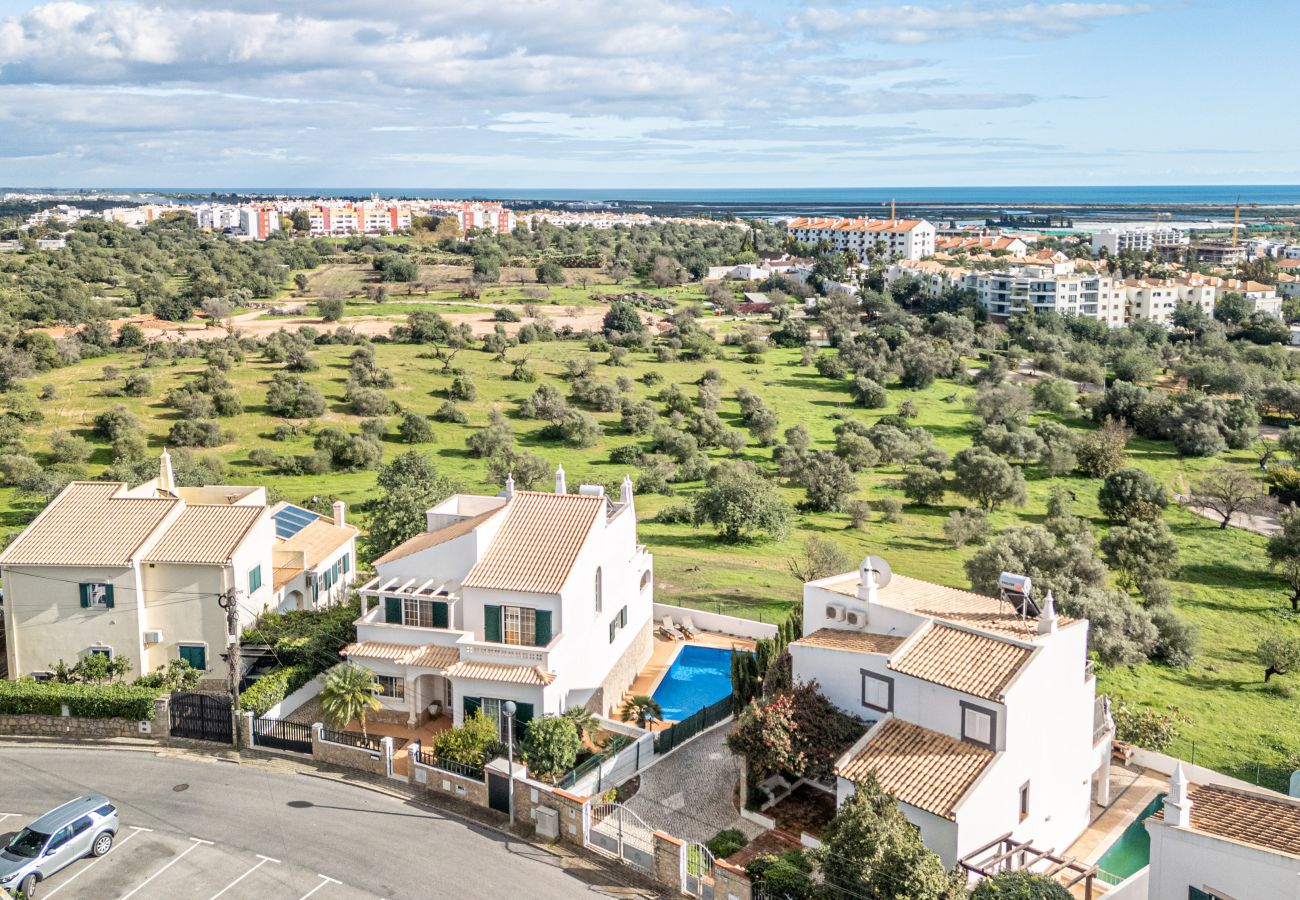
(544,599)
(344,219)
(1114,241)
(887,238)
(255,223)
(982,722)
(120,571)
(217,216)
(1057,289)
(1155,300)
(495,216)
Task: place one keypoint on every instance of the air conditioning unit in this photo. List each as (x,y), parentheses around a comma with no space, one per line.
(153,637)
(835,612)
(857,618)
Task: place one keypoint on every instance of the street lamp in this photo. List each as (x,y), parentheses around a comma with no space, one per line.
(509,709)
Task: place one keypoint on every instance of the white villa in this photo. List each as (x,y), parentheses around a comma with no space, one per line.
(136,571)
(540,598)
(985,722)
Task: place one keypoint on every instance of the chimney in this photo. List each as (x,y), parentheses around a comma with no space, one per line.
(625,490)
(166,479)
(510,486)
(1178,805)
(1047,618)
(867,586)
(340,513)
(560,487)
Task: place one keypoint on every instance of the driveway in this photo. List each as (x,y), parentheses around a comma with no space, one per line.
(690,793)
(201,830)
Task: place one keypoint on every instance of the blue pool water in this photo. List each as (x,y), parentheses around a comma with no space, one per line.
(698,677)
(1132,851)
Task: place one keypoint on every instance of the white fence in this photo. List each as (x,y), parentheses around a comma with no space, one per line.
(716,622)
(282,709)
(1132,888)
(618,768)
(1165,764)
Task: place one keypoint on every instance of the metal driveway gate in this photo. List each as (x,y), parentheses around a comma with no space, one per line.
(614,829)
(281,735)
(200,717)
(697,880)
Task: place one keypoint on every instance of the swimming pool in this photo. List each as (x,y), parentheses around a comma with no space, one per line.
(1132,852)
(698,677)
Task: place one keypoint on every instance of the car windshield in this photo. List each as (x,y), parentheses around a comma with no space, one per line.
(27,843)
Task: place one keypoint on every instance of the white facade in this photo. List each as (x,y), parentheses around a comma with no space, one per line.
(543,599)
(867,238)
(1156,300)
(1024,698)
(1056,289)
(1114,241)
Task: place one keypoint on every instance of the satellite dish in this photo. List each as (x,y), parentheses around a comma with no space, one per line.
(877,566)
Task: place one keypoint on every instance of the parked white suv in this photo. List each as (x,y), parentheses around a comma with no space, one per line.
(77,829)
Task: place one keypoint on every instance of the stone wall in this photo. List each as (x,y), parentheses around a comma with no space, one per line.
(605,700)
(74,728)
(730,882)
(668,859)
(349,757)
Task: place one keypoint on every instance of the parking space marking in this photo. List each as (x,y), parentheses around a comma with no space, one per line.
(326,880)
(261,861)
(135,829)
(196,843)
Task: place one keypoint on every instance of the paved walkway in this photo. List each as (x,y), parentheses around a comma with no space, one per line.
(1266,521)
(690,793)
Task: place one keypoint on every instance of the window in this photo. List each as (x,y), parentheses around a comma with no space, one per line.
(1024,801)
(81,825)
(254,579)
(424,613)
(600,600)
(106,652)
(96,595)
(391,687)
(346,563)
(978,725)
(61,837)
(194,654)
(519,625)
(877,691)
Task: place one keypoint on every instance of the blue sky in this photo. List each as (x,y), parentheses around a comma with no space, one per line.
(646,93)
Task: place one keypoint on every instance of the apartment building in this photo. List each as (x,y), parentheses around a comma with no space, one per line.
(867,238)
(120,571)
(1218,253)
(1114,241)
(541,598)
(983,715)
(986,243)
(1051,288)
(1155,300)
(343,219)
(495,216)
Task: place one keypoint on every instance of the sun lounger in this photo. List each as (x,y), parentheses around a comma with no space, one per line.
(666,633)
(687,628)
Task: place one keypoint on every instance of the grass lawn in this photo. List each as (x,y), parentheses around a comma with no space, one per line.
(1225,587)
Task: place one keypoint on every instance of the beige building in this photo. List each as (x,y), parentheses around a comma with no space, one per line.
(116,570)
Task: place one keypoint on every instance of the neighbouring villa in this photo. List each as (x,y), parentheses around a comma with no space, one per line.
(135,571)
(985,724)
(540,598)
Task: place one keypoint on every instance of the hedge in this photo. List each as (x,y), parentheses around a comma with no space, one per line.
(87,701)
(274,686)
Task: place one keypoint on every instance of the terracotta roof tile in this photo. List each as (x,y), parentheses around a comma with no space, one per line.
(501,672)
(538,542)
(428,656)
(205,534)
(920,767)
(852,641)
(427,539)
(88,525)
(975,664)
(1269,822)
(319,540)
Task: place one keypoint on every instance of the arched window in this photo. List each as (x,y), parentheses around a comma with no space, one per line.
(645,579)
(600,600)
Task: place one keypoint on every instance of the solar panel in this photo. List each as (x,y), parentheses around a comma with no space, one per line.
(291,520)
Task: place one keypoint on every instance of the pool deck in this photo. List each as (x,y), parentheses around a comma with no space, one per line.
(1131,790)
(661,660)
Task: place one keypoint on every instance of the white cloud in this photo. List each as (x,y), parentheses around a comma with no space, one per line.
(924,24)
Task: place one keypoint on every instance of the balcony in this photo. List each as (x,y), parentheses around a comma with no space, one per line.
(372,627)
(509,654)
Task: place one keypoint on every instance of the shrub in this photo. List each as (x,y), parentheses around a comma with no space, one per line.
(1145,726)
(966,526)
(274,686)
(1131,495)
(551,746)
(87,701)
(1019,885)
(414,429)
(195,433)
(469,744)
(450,412)
(727,842)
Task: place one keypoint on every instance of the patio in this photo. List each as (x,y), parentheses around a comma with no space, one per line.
(665,651)
(402,735)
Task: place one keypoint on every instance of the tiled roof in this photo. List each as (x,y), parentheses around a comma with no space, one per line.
(428,656)
(1270,822)
(426,539)
(953,604)
(319,540)
(853,641)
(839,224)
(87,525)
(501,672)
(205,534)
(920,767)
(282,575)
(537,543)
(965,661)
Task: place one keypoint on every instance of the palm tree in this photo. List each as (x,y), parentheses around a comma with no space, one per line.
(644,710)
(349,692)
(584,720)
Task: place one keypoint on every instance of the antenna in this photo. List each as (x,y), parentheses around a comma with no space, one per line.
(879,569)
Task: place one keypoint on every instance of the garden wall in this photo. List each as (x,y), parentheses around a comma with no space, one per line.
(708,621)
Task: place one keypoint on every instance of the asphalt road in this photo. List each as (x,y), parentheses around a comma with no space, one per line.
(202,830)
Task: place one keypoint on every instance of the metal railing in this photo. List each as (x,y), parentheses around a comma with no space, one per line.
(464,770)
(351,739)
(687,728)
(616,743)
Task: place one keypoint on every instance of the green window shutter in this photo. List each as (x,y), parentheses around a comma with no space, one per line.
(622,617)
(195,656)
(254,579)
(613,629)
(492,623)
(346,563)
(315,591)
(542,630)
(393,610)
(439,614)
(523,715)
(108,596)
(471,706)
(85,595)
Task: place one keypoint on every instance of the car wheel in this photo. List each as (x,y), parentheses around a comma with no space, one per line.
(102,844)
(27,887)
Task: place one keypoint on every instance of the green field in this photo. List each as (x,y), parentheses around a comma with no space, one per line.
(1225,587)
